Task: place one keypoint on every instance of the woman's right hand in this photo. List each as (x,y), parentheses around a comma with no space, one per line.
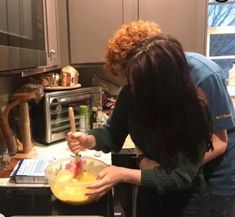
(79,141)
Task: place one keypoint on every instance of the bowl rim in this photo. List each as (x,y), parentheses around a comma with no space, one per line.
(70,158)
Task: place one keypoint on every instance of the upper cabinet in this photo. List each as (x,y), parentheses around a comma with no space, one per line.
(22,38)
(77,31)
(52,32)
(92,23)
(29,36)
(184,19)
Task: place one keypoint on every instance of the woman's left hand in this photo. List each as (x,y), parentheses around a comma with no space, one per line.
(106,179)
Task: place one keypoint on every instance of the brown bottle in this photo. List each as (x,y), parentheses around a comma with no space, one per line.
(93,119)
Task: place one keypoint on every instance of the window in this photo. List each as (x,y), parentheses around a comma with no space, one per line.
(221,34)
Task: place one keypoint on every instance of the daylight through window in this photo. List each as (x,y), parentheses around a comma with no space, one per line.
(221,33)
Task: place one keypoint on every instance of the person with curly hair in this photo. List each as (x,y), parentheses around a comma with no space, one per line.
(220,163)
(124,40)
(168,119)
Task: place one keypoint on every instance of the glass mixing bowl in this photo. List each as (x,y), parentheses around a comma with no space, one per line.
(69,183)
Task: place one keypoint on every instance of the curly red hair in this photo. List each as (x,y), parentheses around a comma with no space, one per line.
(124,40)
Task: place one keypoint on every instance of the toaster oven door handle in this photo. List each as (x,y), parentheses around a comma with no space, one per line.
(71,98)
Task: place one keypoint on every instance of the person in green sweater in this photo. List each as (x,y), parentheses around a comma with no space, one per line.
(219,163)
(167,118)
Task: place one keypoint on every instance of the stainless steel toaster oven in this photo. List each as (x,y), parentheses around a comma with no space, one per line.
(50,119)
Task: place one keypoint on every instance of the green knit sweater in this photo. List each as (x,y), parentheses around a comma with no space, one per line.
(183,175)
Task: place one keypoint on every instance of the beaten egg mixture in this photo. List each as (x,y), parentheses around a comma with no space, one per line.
(72,189)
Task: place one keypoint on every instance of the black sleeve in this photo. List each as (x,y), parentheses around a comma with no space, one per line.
(112,135)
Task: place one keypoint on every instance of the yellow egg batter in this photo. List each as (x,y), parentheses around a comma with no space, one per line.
(72,189)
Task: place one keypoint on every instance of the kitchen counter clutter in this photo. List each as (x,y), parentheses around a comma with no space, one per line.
(57,151)
(37,199)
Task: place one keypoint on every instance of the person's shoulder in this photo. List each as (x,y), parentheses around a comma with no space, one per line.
(197,60)
(202,67)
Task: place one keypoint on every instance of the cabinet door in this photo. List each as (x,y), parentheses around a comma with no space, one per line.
(184,19)
(91,24)
(52,32)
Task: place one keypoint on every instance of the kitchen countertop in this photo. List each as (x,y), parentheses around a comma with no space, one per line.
(59,150)
(37,199)
(26,199)
(56,151)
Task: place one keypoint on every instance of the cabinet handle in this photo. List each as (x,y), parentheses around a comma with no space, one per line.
(52,52)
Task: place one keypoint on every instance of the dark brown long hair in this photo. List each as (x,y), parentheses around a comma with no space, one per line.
(167,101)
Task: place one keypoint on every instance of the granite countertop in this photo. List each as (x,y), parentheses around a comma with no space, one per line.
(57,151)
(128,144)
(23,199)
(36,199)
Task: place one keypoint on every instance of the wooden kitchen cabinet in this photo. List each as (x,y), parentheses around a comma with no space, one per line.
(185,19)
(92,23)
(52,32)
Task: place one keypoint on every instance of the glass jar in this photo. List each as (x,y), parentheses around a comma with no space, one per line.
(84,118)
